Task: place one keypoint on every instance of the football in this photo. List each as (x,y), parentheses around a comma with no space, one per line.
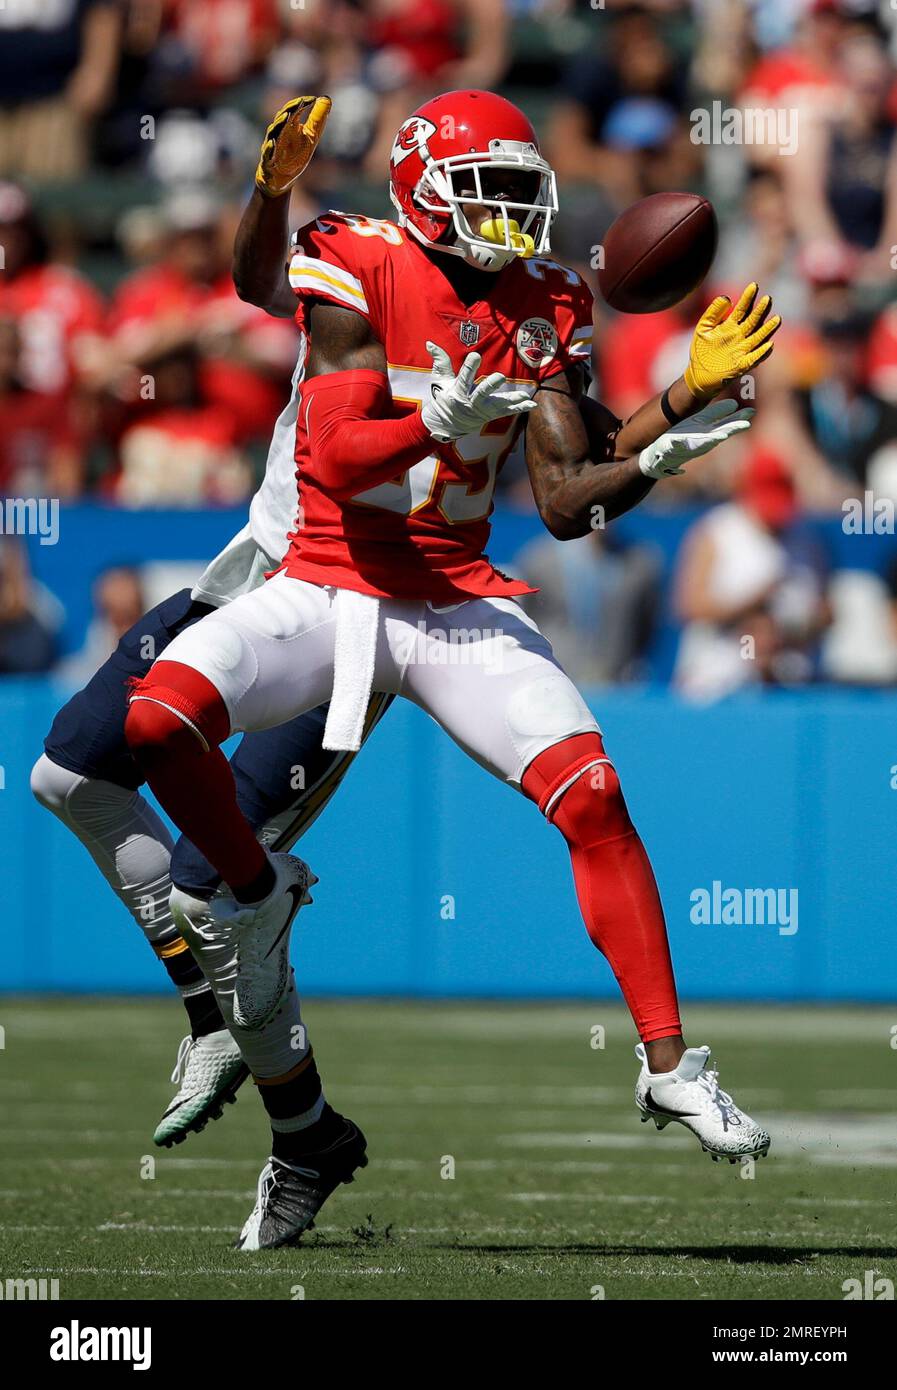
(657,252)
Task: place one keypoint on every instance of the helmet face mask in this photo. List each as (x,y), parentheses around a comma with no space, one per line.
(487,200)
(457,182)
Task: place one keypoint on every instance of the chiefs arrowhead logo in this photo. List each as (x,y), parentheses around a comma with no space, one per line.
(413,135)
(537,342)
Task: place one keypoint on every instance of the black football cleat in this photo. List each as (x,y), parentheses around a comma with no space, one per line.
(290,1195)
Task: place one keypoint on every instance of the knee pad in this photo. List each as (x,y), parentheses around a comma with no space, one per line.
(544,709)
(52,784)
(174,708)
(124,836)
(576,787)
(74,797)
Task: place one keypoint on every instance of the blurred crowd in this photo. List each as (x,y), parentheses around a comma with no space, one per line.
(130,371)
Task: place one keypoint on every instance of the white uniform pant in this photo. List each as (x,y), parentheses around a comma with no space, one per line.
(480,668)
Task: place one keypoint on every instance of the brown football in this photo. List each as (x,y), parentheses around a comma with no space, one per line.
(657,252)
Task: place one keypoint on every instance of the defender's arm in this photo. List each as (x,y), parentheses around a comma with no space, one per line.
(568,489)
(261,246)
(567,484)
(728,342)
(261,250)
(649,422)
(573,496)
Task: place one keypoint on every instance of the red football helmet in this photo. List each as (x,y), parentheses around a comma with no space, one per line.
(440,164)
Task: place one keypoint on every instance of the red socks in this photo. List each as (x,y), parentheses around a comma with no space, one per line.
(575,787)
(180,757)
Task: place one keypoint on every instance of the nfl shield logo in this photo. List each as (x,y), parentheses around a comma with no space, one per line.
(469,333)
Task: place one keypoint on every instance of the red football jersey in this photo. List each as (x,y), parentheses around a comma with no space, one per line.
(247,394)
(53,307)
(423,536)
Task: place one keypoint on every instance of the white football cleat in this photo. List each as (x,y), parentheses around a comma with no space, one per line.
(691,1096)
(208,1073)
(261,937)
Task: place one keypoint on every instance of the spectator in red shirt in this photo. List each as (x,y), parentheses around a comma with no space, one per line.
(208,44)
(40,455)
(59,313)
(803,73)
(881,359)
(178,450)
(187,301)
(421,47)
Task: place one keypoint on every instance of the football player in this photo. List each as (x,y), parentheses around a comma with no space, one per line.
(88,779)
(433,340)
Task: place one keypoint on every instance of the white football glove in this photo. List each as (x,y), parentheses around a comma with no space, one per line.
(696,435)
(456,407)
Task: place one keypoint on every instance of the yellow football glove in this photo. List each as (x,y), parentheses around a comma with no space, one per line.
(724,347)
(289,143)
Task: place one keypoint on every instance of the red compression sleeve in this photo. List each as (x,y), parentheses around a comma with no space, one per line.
(574,784)
(353,438)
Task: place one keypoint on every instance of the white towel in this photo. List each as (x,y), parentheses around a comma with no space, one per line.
(354,654)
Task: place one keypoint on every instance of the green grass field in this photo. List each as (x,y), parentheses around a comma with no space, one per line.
(557,1187)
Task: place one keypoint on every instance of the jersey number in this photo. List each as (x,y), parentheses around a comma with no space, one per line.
(459,503)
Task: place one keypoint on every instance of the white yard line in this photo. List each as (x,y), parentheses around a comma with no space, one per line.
(866,1140)
(484,1095)
(554,1139)
(610,1268)
(228,1271)
(751,1195)
(870,1095)
(154,1229)
(70,1136)
(711,1023)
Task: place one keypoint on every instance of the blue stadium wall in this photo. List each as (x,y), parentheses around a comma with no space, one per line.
(436,880)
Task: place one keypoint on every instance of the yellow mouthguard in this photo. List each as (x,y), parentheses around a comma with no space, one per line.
(494,230)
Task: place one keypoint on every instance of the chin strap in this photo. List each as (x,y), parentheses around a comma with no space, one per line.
(482,257)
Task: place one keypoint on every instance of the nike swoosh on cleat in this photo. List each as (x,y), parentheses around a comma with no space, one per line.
(297,895)
(665,1109)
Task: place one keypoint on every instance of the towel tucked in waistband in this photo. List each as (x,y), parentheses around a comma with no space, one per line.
(354,655)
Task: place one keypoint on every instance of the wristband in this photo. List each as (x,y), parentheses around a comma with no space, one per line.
(669,413)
